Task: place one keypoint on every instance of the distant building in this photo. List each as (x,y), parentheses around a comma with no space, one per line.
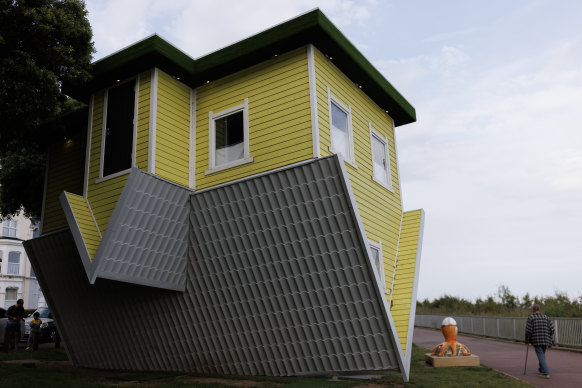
(17,278)
(238,213)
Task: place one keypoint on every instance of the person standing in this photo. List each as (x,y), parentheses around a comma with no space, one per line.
(15,315)
(539,331)
(34,336)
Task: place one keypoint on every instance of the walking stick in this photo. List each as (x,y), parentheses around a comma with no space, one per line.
(526,352)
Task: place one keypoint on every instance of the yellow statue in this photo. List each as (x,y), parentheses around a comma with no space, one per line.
(450,347)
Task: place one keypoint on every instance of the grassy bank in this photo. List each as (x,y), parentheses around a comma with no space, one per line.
(49,368)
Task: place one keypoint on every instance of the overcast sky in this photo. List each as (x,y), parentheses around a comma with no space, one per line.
(495,157)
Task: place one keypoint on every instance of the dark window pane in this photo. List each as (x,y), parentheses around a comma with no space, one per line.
(229,138)
(119,128)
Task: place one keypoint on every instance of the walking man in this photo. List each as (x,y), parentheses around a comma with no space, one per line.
(539,331)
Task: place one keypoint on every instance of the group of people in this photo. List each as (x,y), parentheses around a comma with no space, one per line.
(15,315)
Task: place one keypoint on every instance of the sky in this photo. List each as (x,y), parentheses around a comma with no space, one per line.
(495,157)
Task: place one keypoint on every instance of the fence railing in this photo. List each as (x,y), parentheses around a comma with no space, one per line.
(568,331)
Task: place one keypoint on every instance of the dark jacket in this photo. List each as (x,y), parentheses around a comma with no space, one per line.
(539,330)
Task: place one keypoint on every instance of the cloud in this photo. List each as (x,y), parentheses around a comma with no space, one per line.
(201,27)
(495,160)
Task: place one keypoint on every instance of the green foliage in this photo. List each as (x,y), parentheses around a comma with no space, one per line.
(506,304)
(44,44)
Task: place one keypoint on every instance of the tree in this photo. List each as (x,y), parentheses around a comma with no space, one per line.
(44,44)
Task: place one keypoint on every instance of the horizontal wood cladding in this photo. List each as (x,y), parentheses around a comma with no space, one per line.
(405,273)
(279,116)
(380,208)
(172,129)
(85,222)
(66,162)
(143,120)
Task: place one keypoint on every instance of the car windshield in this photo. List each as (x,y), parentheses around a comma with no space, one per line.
(44,312)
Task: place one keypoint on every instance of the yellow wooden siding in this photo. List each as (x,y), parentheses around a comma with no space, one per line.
(66,169)
(173,130)
(380,208)
(279,116)
(405,270)
(143,121)
(85,222)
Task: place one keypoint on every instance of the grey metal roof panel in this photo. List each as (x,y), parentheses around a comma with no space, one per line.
(289,244)
(146,238)
(278,282)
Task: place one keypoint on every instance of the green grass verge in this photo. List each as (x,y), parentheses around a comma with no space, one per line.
(53,372)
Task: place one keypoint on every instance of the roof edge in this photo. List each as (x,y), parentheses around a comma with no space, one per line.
(312,27)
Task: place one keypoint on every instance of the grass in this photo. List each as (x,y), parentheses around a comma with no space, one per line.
(54,371)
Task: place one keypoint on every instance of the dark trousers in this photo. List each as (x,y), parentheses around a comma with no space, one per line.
(9,337)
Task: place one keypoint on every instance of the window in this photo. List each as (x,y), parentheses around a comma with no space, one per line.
(13,263)
(117,145)
(11,297)
(229,138)
(340,118)
(9,228)
(380,159)
(376,257)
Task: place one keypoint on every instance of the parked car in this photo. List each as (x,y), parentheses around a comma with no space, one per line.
(48,328)
(2,312)
(3,327)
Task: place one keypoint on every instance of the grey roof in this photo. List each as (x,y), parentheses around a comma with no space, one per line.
(278,282)
(146,239)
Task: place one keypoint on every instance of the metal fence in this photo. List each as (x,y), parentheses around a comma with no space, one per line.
(568,331)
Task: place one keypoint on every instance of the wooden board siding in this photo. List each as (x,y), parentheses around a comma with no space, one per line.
(380,208)
(85,222)
(66,170)
(173,130)
(279,116)
(405,274)
(143,120)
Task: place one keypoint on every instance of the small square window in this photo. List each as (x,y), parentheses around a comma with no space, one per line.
(340,119)
(10,297)
(377,261)
(380,159)
(229,138)
(9,228)
(13,263)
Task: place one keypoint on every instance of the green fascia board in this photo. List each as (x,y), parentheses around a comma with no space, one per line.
(310,28)
(151,52)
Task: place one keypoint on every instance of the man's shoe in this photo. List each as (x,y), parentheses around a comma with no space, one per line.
(543,376)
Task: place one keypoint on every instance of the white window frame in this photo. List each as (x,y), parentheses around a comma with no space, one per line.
(347,109)
(10,302)
(10,267)
(104,129)
(382,280)
(384,140)
(11,227)
(212,117)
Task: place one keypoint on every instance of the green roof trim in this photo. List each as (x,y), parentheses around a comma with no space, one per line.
(310,28)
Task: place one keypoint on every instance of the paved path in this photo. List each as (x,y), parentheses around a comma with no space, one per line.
(509,358)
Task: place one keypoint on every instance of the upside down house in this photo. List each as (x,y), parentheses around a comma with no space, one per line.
(239,213)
